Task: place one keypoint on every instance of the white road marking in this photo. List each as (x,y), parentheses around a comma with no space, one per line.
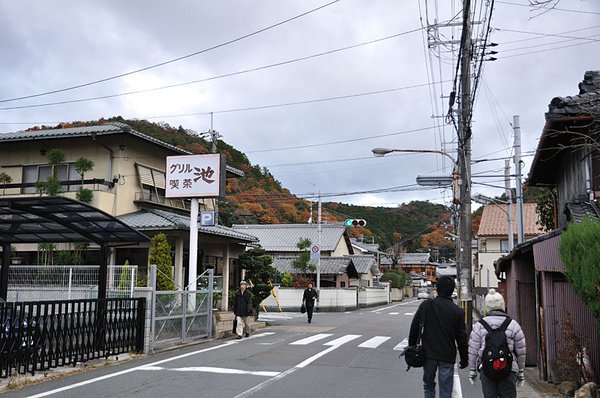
(342,340)
(456,386)
(311,339)
(402,345)
(386,308)
(374,342)
(122,372)
(335,344)
(409,313)
(265,383)
(394,313)
(209,369)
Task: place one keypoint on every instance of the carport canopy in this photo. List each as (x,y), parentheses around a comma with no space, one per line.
(57,219)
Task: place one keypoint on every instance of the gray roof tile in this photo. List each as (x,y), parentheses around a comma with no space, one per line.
(329,265)
(155,219)
(285,237)
(363,264)
(578,211)
(414,258)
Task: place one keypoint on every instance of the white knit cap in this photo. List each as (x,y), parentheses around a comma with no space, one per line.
(494,301)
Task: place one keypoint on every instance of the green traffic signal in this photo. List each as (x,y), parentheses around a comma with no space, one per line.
(355,222)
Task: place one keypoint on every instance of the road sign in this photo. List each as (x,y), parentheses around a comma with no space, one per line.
(315,253)
(207,218)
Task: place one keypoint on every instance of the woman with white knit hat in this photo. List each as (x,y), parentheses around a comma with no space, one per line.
(498,357)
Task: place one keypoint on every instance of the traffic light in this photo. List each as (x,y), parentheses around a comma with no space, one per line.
(355,222)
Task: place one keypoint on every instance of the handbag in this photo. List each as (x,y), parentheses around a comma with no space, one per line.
(303,308)
(414,355)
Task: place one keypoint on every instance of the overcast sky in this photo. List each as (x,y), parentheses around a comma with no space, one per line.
(51,45)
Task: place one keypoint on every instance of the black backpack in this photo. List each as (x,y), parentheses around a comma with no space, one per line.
(496,361)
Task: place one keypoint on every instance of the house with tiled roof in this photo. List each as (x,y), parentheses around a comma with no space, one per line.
(492,238)
(127,181)
(335,272)
(537,290)
(282,239)
(361,247)
(418,263)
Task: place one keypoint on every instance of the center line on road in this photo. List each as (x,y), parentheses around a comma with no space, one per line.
(209,369)
(394,313)
(409,313)
(386,308)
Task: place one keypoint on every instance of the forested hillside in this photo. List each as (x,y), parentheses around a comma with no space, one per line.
(259,197)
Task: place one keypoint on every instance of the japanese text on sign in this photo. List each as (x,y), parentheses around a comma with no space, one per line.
(194,176)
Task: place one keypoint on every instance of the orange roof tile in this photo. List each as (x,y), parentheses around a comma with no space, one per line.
(494,220)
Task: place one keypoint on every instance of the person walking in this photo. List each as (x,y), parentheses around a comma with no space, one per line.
(308,300)
(499,372)
(242,308)
(443,331)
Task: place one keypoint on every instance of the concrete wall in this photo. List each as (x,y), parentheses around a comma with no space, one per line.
(396,294)
(146,292)
(372,296)
(331,299)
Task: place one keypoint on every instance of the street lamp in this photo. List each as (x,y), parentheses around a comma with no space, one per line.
(429,181)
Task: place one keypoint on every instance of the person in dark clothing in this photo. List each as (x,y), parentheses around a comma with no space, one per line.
(308,299)
(444,329)
(242,308)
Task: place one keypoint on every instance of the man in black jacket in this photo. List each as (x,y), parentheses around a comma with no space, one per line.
(443,330)
(242,307)
(308,300)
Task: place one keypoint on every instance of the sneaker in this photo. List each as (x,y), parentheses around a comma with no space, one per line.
(238,337)
(247,334)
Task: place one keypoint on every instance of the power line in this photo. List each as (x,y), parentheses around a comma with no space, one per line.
(547,34)
(546,50)
(188,83)
(256,32)
(553,8)
(342,141)
(560,33)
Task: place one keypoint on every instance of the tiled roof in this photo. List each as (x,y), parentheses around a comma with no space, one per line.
(329,265)
(285,237)
(494,220)
(413,258)
(155,219)
(362,246)
(587,100)
(89,131)
(578,211)
(363,264)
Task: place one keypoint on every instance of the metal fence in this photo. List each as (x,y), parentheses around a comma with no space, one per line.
(67,282)
(40,335)
(182,315)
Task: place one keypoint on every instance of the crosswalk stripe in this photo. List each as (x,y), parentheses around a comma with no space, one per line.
(374,342)
(343,339)
(311,339)
(402,345)
(394,313)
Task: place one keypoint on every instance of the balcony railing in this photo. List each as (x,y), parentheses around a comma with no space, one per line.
(152,197)
(97,184)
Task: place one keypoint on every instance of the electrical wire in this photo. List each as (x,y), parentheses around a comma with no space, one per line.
(553,8)
(192,82)
(254,33)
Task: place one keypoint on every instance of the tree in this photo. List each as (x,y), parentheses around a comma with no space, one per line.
(546,207)
(52,185)
(160,254)
(125,277)
(259,273)
(4,179)
(302,262)
(397,279)
(82,166)
(580,251)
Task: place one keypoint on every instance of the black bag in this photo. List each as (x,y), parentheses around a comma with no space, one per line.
(496,361)
(414,355)
(303,308)
(234,329)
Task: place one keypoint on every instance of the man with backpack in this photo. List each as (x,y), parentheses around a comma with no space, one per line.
(497,350)
(443,331)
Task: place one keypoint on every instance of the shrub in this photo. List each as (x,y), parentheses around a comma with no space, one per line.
(84,195)
(160,254)
(287,280)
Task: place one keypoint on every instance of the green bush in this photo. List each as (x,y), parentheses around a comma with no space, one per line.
(397,279)
(84,195)
(287,280)
(160,254)
(580,251)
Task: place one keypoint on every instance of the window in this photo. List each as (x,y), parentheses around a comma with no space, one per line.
(35,173)
(152,182)
(504,245)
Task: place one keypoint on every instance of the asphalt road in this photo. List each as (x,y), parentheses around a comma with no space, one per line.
(352,354)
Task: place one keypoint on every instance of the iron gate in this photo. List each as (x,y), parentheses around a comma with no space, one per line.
(182,315)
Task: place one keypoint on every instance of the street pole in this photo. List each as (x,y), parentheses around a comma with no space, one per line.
(508,192)
(319,233)
(464,161)
(519,185)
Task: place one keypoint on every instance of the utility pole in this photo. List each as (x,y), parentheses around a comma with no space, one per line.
(519,185)
(509,211)
(319,232)
(464,162)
